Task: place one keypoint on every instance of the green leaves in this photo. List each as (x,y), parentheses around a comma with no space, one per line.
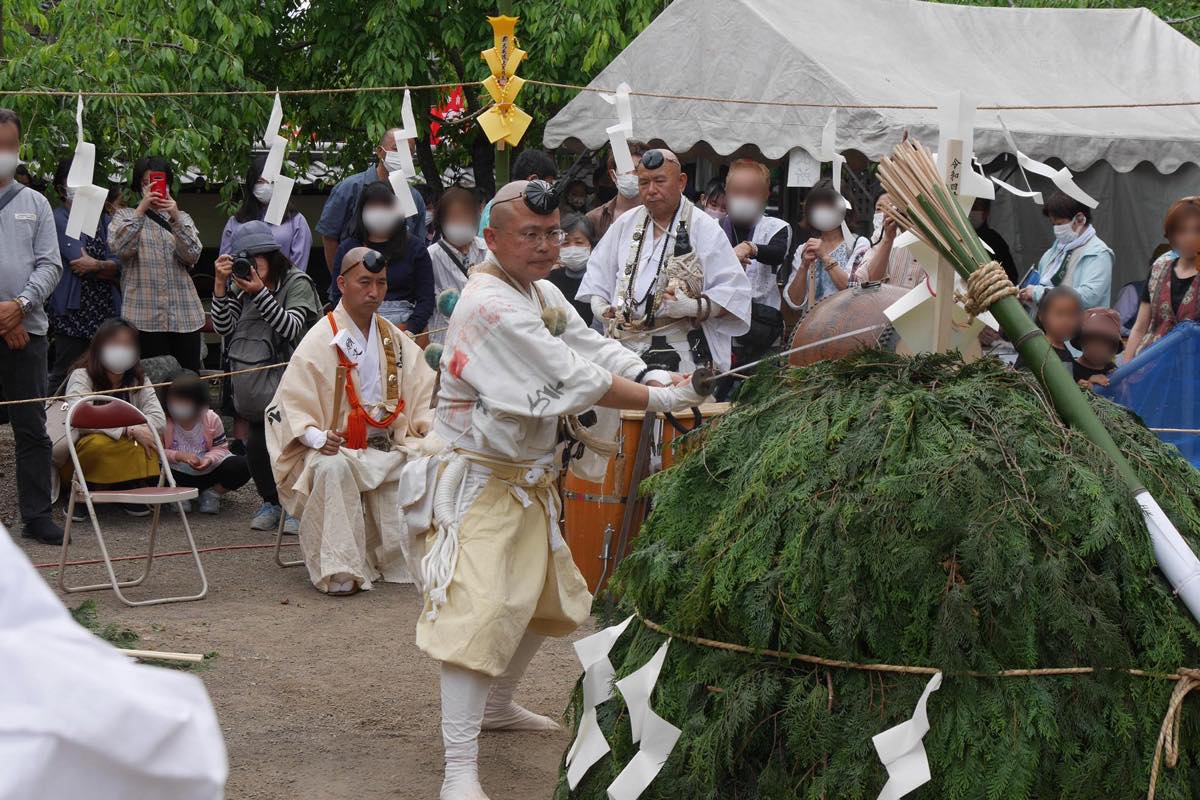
(920,512)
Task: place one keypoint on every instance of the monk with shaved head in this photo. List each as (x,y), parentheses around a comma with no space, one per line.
(350,410)
(519,365)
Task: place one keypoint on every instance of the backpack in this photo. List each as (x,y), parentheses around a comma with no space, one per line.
(254,343)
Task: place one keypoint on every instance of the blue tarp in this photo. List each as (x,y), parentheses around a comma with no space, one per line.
(1162,386)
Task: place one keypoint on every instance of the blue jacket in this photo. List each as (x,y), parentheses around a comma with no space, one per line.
(1091,277)
(65,296)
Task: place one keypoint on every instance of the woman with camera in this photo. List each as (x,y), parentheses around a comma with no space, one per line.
(408,303)
(263,305)
(293,234)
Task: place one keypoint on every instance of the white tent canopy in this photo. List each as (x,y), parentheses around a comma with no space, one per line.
(903,52)
(876,53)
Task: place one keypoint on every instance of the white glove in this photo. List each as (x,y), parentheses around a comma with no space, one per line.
(314,437)
(600,307)
(673,398)
(660,376)
(677,308)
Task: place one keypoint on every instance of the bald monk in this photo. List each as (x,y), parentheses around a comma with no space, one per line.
(498,576)
(339,475)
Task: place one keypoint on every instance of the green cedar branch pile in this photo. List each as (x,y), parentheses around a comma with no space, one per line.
(911,511)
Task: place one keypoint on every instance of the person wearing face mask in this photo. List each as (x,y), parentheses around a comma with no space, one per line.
(116,457)
(409,301)
(89,291)
(827,262)
(1078,258)
(572,261)
(293,234)
(339,217)
(1171,295)
(602,216)
(712,199)
(263,316)
(196,447)
(884,261)
(981,212)
(158,246)
(30,268)
(760,242)
(456,252)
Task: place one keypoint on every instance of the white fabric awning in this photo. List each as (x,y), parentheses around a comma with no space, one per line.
(902,52)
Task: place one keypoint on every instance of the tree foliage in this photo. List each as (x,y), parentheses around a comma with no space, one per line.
(914,512)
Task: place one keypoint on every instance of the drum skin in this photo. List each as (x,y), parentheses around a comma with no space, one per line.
(844,311)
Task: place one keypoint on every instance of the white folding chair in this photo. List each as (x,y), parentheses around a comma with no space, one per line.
(98,413)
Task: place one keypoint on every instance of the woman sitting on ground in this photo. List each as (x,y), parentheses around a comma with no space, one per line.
(409,302)
(196,446)
(116,457)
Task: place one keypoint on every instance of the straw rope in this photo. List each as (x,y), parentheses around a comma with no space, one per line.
(1186,679)
(985,286)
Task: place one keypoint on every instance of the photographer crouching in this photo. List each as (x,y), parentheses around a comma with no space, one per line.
(263,305)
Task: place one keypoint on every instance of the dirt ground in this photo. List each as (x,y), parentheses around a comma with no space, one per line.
(318,697)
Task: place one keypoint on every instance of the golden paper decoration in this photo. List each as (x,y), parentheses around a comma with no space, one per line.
(504,121)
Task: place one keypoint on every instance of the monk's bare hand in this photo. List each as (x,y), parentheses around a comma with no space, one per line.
(333,443)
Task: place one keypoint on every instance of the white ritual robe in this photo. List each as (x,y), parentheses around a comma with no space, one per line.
(505,382)
(80,720)
(447,275)
(725,282)
(348,503)
(764,282)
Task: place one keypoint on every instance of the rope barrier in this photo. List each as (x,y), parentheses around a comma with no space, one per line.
(581,88)
(1186,679)
(214,549)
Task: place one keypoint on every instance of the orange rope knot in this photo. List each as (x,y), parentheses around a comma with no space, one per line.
(358,418)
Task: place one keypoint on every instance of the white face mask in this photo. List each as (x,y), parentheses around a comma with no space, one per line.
(263,192)
(181,412)
(627,186)
(575,257)
(715,213)
(458,234)
(378,221)
(743,210)
(118,358)
(8,164)
(68,194)
(826,218)
(391,160)
(1064,234)
(428,218)
(877,222)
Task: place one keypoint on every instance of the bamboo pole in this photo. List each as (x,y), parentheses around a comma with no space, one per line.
(194,658)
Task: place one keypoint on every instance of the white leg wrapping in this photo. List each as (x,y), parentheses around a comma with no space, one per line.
(464,694)
(501,712)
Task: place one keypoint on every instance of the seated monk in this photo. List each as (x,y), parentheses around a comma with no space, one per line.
(337,446)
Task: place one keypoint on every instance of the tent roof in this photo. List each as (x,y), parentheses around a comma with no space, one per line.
(902,52)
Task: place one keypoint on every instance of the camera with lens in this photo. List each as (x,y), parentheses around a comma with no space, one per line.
(243,266)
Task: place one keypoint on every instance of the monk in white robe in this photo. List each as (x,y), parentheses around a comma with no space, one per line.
(340,476)
(498,575)
(629,284)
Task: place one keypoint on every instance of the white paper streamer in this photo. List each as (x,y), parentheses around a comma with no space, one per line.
(903,753)
(803,168)
(656,735)
(87,201)
(598,672)
(1008,187)
(281,185)
(1175,558)
(619,134)
(405,205)
(829,153)
(280,195)
(1061,178)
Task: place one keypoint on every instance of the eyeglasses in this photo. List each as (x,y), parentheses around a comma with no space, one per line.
(539,196)
(534,238)
(653,159)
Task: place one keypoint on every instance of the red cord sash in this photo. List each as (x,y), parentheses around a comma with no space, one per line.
(358,418)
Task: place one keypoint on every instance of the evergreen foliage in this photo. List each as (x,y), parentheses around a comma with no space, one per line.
(918,512)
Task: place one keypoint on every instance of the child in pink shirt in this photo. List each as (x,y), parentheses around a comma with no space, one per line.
(196,446)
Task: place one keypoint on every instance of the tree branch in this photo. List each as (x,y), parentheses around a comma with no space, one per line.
(1182,20)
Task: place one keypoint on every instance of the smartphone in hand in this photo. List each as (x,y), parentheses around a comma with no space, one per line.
(158,183)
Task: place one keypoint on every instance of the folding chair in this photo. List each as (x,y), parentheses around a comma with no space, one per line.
(98,413)
(279,543)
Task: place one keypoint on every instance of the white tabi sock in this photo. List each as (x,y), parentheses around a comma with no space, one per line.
(464,694)
(502,714)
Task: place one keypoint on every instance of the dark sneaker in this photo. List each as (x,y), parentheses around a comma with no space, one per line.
(43,530)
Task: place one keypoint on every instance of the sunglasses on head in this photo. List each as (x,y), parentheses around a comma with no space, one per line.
(653,159)
(540,197)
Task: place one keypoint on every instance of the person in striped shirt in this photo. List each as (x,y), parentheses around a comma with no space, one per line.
(263,317)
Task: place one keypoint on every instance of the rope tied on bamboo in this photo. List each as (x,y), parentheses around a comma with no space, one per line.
(987,285)
(1186,678)
(1168,733)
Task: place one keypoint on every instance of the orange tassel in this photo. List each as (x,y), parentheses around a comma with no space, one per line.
(356,428)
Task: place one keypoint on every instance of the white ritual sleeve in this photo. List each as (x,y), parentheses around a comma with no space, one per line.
(506,354)
(606,261)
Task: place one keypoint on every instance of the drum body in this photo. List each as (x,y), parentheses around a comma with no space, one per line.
(675,443)
(842,312)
